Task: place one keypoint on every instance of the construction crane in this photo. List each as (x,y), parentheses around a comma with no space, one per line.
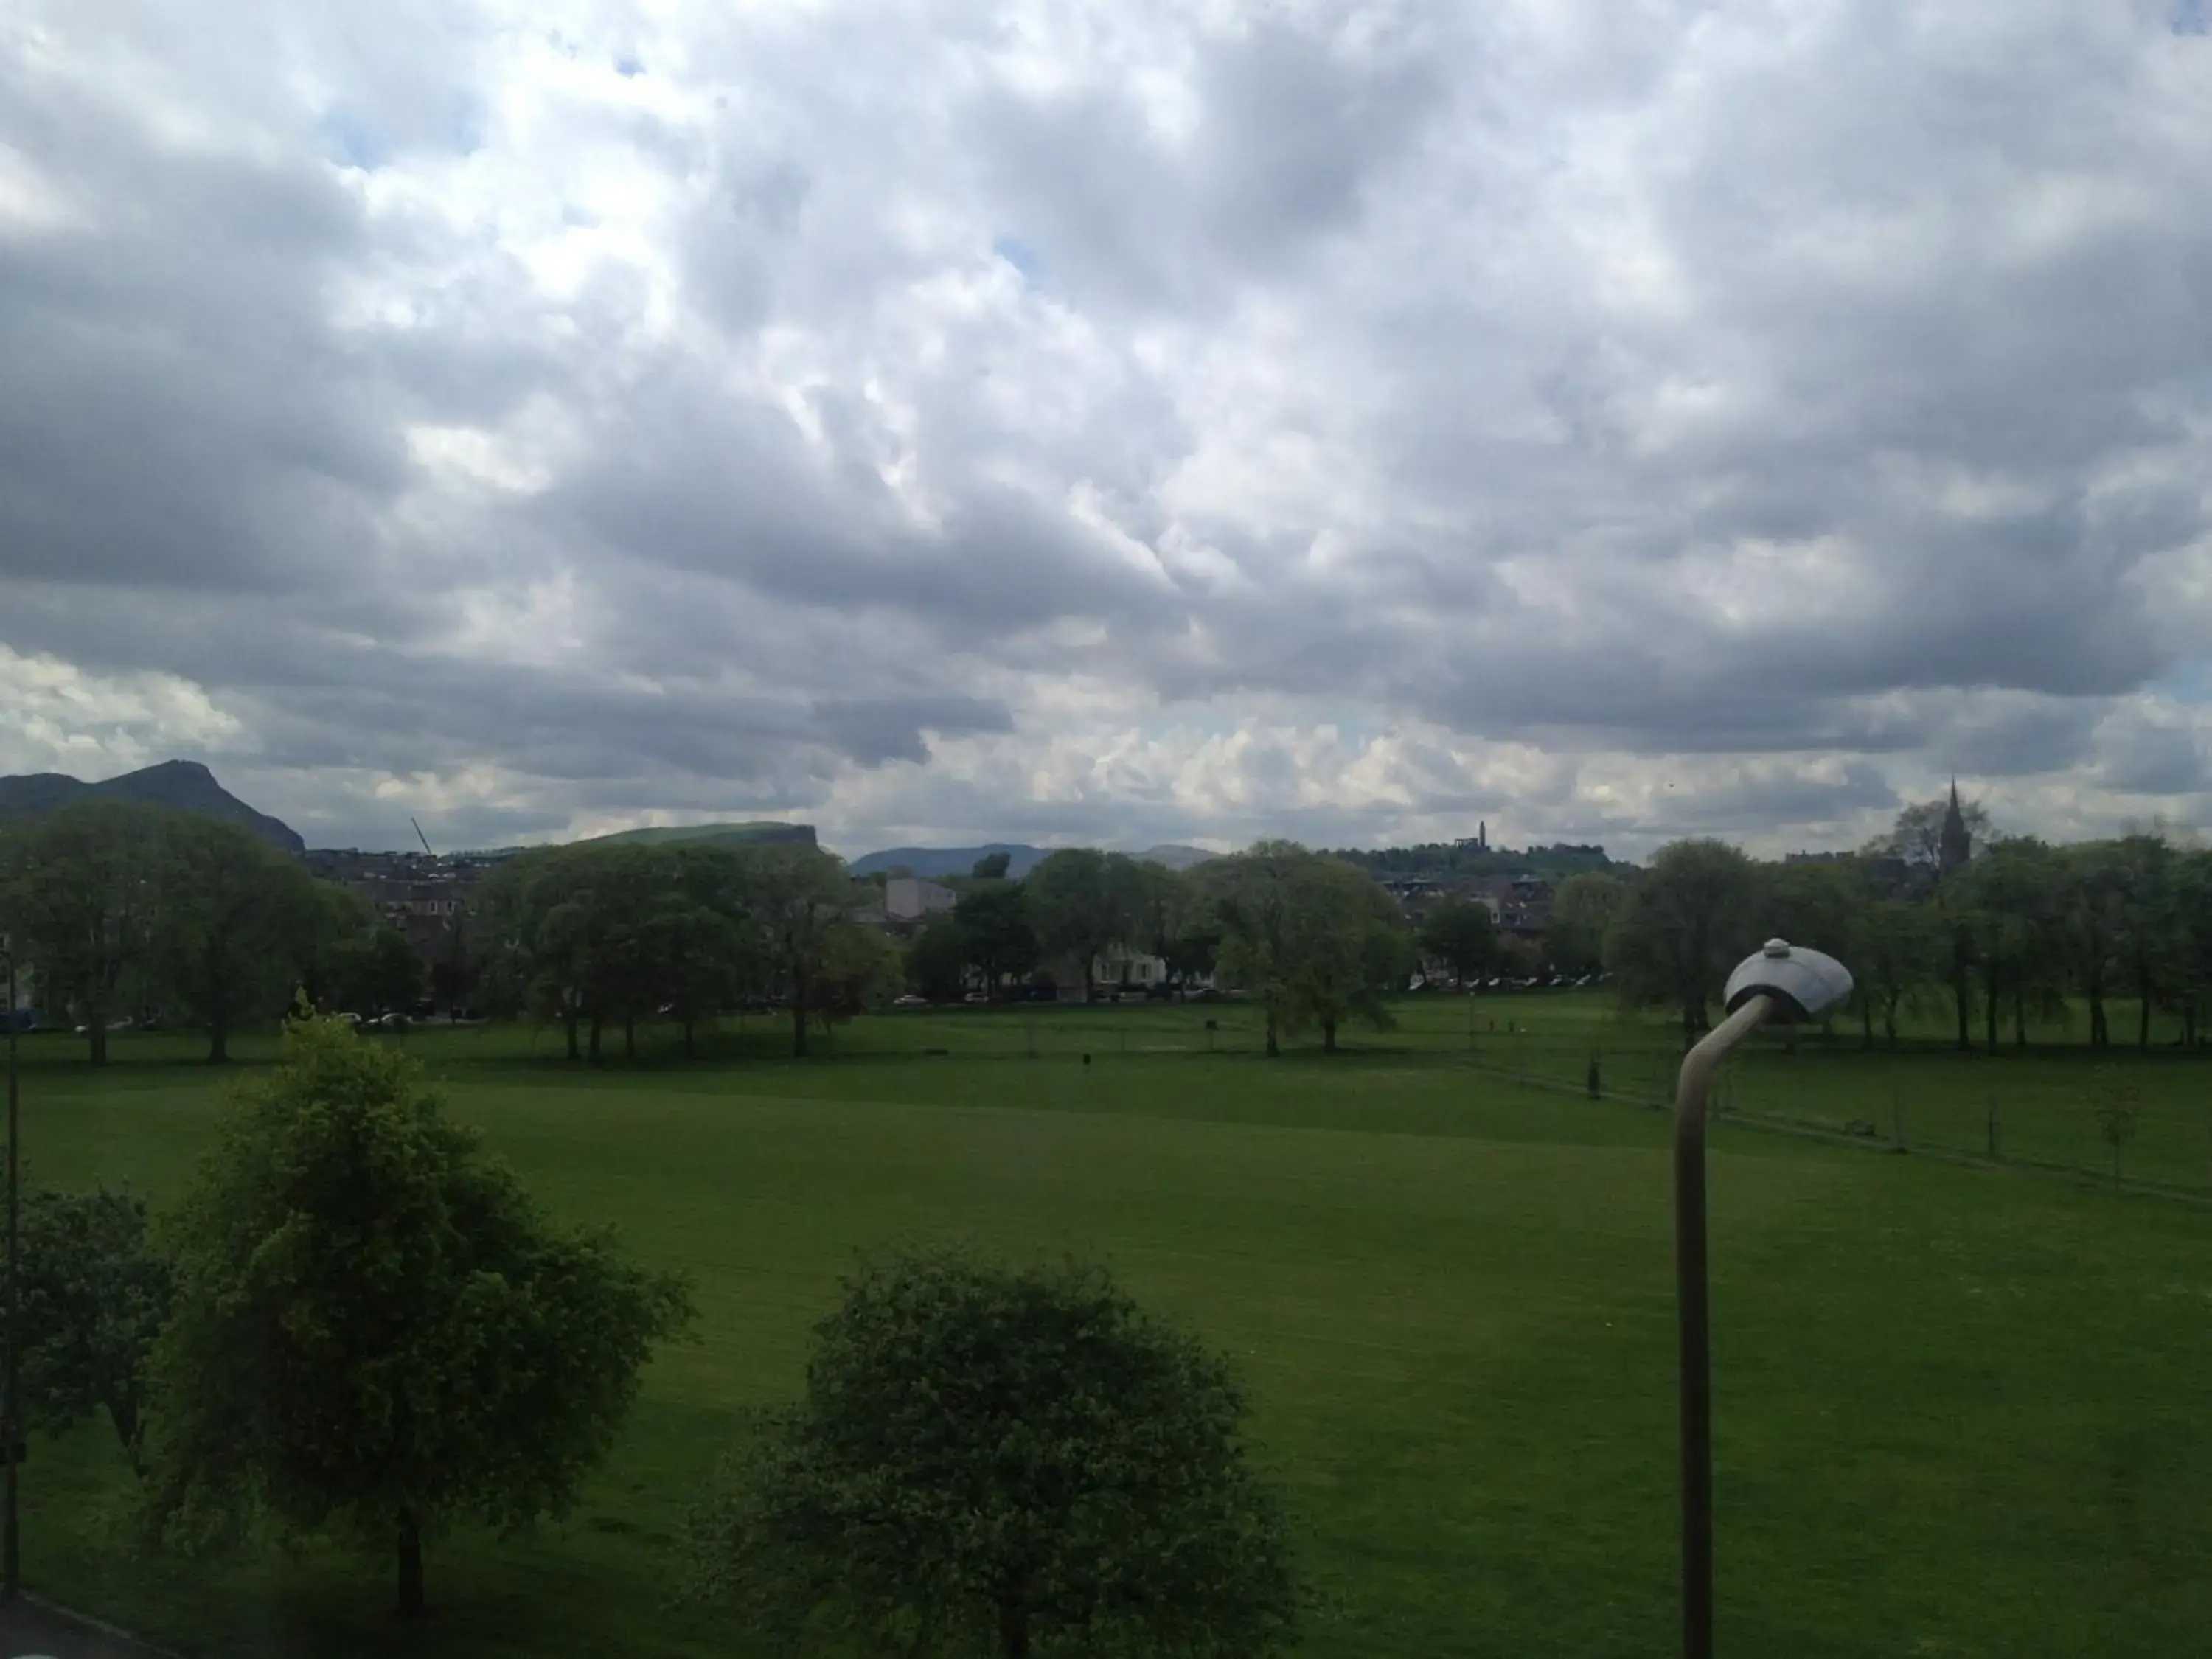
(420,836)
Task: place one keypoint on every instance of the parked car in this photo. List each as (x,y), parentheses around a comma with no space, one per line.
(910,1001)
(976,997)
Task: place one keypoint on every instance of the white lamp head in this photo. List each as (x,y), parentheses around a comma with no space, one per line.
(1805,984)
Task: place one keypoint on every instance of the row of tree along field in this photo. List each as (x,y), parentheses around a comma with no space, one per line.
(2013,939)
(357,1327)
(119,910)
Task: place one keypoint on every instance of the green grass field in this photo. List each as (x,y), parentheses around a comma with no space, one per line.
(1959,1411)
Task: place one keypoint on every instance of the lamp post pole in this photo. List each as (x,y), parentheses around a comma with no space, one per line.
(1693,1309)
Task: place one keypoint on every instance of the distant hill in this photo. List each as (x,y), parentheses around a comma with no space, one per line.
(934,862)
(180,786)
(712,834)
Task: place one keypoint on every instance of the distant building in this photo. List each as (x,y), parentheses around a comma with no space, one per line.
(1955,849)
(915,898)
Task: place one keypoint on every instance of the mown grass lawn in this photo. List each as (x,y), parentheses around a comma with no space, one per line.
(1958,1411)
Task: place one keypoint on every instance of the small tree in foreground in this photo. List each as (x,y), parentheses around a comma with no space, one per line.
(375,1330)
(1004,1462)
(93,1297)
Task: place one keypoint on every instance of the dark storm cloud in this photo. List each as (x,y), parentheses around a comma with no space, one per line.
(697,410)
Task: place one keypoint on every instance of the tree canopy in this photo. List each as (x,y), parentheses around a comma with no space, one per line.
(375,1331)
(1000,1460)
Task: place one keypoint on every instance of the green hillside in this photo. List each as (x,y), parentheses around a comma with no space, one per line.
(713,835)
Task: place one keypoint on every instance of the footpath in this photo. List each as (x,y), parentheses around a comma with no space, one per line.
(32,1630)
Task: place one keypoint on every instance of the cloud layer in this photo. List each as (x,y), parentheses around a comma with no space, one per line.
(1121,421)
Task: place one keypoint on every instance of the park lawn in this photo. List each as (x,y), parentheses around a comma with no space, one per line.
(1958,1411)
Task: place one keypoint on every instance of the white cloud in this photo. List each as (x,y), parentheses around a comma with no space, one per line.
(1348,419)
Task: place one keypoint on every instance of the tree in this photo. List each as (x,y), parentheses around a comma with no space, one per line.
(1685,926)
(1345,943)
(694,939)
(799,896)
(987,1460)
(375,1328)
(227,909)
(993,866)
(937,961)
(1462,934)
(1897,946)
(2150,942)
(1582,913)
(83,890)
(861,969)
(2011,907)
(1251,897)
(2091,923)
(1082,903)
(94,1296)
(1916,837)
(995,932)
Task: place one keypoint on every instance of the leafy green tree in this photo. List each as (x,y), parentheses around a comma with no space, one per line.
(1082,903)
(1462,934)
(2092,924)
(1897,946)
(2011,905)
(862,969)
(1686,923)
(1916,837)
(694,937)
(94,1296)
(227,910)
(1583,912)
(1251,894)
(375,1330)
(2150,945)
(1347,942)
(937,961)
(993,866)
(800,898)
(995,936)
(1001,1461)
(83,887)
(324,938)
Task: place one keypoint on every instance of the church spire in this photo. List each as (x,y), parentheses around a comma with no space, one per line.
(1956,847)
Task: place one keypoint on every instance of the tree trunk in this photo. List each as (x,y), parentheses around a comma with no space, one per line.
(2143,1017)
(410,1605)
(1989,1014)
(1013,1630)
(2019,1020)
(1866,1025)
(1328,1036)
(799,1018)
(218,1040)
(123,1411)
(2100,1031)
(1964,997)
(690,1045)
(96,1039)
(569,1020)
(630,1036)
(1274,1048)
(593,1044)
(1889,1022)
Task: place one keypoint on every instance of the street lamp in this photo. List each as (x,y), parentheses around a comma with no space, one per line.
(1783,982)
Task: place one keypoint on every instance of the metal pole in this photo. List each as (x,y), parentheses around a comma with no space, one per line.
(11,1542)
(1693,1309)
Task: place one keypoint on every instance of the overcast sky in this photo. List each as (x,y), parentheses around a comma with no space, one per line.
(1122,421)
